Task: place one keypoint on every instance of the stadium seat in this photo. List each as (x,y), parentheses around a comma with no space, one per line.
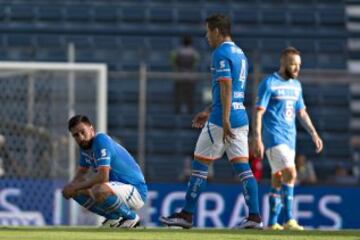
(334,17)
(53,13)
(274,46)
(189,16)
(332,61)
(133,14)
(161,15)
(303,17)
(22,13)
(275,16)
(161,121)
(19,40)
(248,17)
(304,46)
(332,46)
(79,41)
(105,14)
(79,13)
(49,40)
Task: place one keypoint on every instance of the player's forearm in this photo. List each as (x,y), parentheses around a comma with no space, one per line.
(257,124)
(88,183)
(208,108)
(79,176)
(225,95)
(306,122)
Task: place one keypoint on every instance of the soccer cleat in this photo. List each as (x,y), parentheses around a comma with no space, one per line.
(111,223)
(180,219)
(276,226)
(246,223)
(129,223)
(293,225)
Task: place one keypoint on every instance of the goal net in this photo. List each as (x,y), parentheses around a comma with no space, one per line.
(37,154)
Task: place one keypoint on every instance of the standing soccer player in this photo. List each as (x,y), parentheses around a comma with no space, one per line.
(117,188)
(224,126)
(279,101)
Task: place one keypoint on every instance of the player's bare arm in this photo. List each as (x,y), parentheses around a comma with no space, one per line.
(257,144)
(101,176)
(306,122)
(68,191)
(200,119)
(225,94)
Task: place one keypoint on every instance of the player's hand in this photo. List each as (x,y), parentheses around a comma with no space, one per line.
(200,119)
(258,147)
(69,191)
(318,143)
(228,135)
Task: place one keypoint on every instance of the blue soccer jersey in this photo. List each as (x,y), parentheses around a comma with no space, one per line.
(229,63)
(280,99)
(105,152)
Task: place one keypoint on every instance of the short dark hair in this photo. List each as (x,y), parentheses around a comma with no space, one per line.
(75,120)
(289,51)
(220,22)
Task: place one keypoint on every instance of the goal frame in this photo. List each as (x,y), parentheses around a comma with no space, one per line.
(101,100)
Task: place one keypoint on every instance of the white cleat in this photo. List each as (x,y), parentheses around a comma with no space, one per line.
(110,223)
(129,223)
(249,224)
(177,220)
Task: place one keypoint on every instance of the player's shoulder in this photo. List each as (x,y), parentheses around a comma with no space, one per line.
(269,79)
(296,82)
(101,138)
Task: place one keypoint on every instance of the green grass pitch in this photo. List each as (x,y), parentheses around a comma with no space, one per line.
(69,233)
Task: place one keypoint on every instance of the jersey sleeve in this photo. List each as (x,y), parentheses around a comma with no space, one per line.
(263,95)
(300,102)
(222,68)
(82,161)
(103,151)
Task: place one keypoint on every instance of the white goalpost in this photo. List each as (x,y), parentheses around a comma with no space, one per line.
(37,99)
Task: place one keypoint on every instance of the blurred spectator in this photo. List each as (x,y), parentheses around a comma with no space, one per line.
(342,176)
(305,170)
(255,164)
(184,59)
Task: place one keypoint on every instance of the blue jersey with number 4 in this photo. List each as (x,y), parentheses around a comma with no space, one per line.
(281,99)
(229,63)
(105,152)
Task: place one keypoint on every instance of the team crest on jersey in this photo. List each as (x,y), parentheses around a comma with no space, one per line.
(103,152)
(222,64)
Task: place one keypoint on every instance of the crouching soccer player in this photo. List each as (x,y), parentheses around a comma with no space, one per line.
(117,189)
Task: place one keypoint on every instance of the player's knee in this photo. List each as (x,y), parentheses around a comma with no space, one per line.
(100,192)
(289,175)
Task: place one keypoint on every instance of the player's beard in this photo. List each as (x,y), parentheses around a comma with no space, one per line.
(289,74)
(86,144)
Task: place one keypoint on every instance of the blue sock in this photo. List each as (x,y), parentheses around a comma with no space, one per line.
(275,205)
(115,208)
(90,204)
(249,186)
(196,185)
(288,196)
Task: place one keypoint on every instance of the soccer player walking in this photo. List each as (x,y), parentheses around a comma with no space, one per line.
(117,187)
(224,126)
(279,101)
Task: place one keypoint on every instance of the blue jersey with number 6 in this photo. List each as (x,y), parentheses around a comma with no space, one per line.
(229,63)
(281,99)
